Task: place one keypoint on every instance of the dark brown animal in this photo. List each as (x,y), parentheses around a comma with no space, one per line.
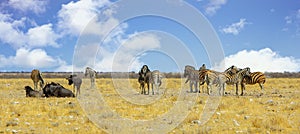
(57,90)
(32,93)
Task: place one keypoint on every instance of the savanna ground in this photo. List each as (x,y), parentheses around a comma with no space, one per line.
(275,110)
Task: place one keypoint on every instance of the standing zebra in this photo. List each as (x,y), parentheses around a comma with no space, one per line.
(237,79)
(210,76)
(156,80)
(92,74)
(255,77)
(36,77)
(192,76)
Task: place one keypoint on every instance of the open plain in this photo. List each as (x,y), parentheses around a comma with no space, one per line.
(274,110)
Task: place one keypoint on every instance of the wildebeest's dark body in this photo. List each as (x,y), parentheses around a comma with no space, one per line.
(32,93)
(57,90)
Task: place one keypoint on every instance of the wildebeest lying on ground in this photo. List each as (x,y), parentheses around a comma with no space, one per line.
(32,93)
(77,83)
(57,90)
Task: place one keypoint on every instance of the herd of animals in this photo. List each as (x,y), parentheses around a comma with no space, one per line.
(231,76)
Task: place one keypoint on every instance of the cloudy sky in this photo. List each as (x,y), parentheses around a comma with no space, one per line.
(68,35)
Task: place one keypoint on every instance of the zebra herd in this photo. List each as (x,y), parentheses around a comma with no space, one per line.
(231,76)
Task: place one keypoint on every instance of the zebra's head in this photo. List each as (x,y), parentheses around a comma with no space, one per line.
(245,72)
(232,70)
(187,70)
(203,67)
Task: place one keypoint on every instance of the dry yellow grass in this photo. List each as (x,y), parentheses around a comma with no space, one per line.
(277,109)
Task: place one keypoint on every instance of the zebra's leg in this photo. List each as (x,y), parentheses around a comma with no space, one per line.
(224,87)
(237,89)
(243,88)
(191,86)
(261,86)
(148,85)
(196,86)
(209,88)
(152,89)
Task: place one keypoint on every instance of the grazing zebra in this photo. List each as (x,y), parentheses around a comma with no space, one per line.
(92,74)
(155,79)
(237,79)
(36,77)
(192,76)
(77,83)
(143,79)
(255,77)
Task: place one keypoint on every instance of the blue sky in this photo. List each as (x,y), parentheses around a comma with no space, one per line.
(45,34)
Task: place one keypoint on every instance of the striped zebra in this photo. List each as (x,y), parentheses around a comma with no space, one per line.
(155,80)
(209,76)
(255,77)
(224,78)
(36,77)
(92,74)
(192,76)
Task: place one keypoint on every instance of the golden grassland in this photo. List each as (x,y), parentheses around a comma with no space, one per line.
(274,110)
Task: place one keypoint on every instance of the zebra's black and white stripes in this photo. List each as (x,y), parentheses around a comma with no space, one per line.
(92,75)
(192,76)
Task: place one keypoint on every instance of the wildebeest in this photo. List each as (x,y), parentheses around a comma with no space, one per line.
(32,93)
(56,90)
(76,81)
(92,74)
(142,78)
(36,77)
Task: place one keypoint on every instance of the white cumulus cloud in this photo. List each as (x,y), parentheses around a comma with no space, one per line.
(264,60)
(25,58)
(37,6)
(214,5)
(235,28)
(126,57)
(74,17)
(38,36)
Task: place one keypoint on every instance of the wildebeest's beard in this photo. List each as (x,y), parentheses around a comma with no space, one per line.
(70,81)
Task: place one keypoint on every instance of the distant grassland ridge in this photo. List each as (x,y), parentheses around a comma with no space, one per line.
(6,75)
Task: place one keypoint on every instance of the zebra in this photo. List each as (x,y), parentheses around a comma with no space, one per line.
(209,76)
(192,76)
(77,83)
(36,77)
(92,74)
(224,78)
(155,79)
(255,77)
